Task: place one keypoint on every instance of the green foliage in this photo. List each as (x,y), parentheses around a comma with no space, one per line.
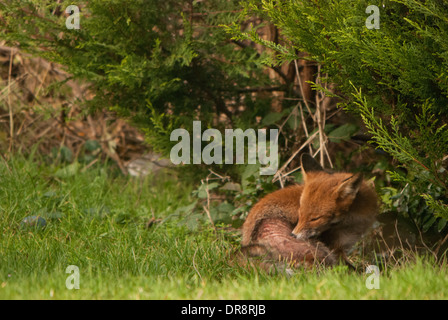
(161,64)
(98,222)
(400,68)
(222,201)
(165,64)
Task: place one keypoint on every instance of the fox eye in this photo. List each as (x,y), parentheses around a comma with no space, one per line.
(315,219)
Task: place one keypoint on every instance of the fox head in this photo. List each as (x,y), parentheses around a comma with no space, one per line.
(325,200)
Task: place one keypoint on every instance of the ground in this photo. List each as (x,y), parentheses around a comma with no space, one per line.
(97,220)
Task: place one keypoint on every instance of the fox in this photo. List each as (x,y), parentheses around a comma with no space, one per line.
(318,221)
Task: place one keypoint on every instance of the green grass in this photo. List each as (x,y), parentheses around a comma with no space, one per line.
(96,220)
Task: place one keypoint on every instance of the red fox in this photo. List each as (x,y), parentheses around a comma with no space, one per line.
(314,222)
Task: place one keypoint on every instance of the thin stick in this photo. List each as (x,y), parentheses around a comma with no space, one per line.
(436,251)
(56,7)
(304,126)
(308,141)
(320,115)
(282,184)
(207,208)
(194,265)
(293,170)
(425,245)
(6,162)
(42,81)
(219,176)
(209,216)
(302,92)
(11,119)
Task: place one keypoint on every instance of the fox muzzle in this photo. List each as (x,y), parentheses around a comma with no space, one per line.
(305,234)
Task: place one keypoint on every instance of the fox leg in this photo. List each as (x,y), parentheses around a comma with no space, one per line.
(274,236)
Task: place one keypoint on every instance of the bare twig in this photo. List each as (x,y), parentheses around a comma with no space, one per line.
(440,244)
(222,178)
(6,162)
(305,129)
(302,92)
(194,265)
(425,245)
(42,81)
(207,207)
(280,127)
(90,164)
(56,8)
(262,89)
(11,119)
(279,172)
(320,116)
(389,250)
(321,108)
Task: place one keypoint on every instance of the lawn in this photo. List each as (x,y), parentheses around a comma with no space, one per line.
(97,220)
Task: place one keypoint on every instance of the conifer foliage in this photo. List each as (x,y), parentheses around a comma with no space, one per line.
(161,63)
(394,76)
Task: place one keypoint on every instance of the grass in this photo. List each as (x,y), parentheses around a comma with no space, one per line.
(96,220)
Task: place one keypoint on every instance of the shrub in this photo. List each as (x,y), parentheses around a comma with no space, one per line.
(161,64)
(394,77)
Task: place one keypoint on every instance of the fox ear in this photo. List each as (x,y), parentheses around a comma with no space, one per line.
(309,164)
(349,188)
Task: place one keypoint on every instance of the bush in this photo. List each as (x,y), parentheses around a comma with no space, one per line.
(165,64)
(161,64)
(394,77)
